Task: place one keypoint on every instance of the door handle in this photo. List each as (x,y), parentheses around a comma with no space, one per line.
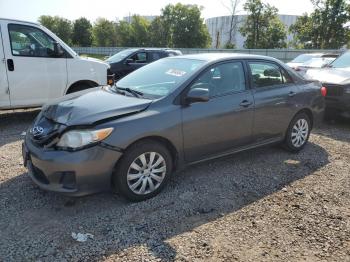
(292,93)
(10,65)
(245,103)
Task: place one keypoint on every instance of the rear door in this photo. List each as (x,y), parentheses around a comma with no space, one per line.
(4,91)
(34,73)
(154,56)
(275,97)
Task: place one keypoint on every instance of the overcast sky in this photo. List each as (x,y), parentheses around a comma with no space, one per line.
(72,9)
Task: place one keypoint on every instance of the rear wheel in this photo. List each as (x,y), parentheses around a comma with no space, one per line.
(143,171)
(298,133)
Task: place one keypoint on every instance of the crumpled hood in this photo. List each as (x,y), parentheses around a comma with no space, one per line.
(329,75)
(92,105)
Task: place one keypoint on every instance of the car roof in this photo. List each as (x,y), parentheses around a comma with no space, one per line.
(320,54)
(153,49)
(209,57)
(18,21)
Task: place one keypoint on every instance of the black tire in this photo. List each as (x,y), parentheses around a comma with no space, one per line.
(80,87)
(288,141)
(120,181)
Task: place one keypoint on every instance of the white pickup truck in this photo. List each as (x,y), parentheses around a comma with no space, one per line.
(36,66)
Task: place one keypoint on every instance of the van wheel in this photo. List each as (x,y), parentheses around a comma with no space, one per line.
(298,133)
(143,171)
(80,87)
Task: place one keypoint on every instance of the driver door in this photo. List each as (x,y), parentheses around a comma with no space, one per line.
(223,123)
(33,72)
(138,60)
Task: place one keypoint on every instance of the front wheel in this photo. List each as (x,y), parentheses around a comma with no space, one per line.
(143,171)
(298,133)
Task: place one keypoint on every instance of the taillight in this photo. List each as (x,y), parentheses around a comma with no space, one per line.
(324,91)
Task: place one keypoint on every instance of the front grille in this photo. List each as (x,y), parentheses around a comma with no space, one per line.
(334,90)
(49,132)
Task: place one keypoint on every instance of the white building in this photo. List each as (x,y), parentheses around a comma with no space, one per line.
(219,28)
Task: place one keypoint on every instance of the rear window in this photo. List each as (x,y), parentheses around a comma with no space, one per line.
(303,58)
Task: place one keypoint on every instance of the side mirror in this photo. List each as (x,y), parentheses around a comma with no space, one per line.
(129,61)
(58,50)
(197,95)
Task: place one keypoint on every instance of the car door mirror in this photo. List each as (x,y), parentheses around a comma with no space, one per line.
(129,61)
(58,50)
(197,95)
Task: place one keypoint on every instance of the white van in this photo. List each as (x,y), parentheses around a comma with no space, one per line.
(36,66)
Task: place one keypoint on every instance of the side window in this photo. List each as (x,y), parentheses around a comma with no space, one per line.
(140,57)
(30,41)
(286,77)
(222,79)
(155,56)
(265,74)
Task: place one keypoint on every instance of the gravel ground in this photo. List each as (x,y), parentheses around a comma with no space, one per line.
(261,205)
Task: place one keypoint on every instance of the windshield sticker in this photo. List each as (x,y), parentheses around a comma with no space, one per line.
(175,72)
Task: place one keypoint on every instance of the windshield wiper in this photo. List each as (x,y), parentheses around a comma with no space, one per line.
(131,91)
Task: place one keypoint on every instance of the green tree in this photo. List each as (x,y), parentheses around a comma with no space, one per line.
(135,33)
(82,32)
(104,33)
(159,35)
(229,45)
(124,34)
(140,31)
(60,26)
(263,28)
(186,28)
(324,28)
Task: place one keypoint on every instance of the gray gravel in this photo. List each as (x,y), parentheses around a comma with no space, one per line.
(261,205)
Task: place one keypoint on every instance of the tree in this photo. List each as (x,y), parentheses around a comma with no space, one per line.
(263,28)
(135,33)
(185,26)
(60,26)
(302,32)
(124,34)
(324,28)
(82,32)
(158,33)
(234,22)
(140,31)
(104,33)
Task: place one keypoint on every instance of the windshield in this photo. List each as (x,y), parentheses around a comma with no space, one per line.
(303,58)
(160,78)
(318,62)
(342,62)
(120,55)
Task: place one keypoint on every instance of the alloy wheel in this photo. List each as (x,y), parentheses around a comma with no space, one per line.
(146,173)
(300,133)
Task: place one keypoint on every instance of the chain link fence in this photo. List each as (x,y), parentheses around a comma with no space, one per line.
(284,55)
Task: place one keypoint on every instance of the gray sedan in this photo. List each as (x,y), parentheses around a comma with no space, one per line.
(167,115)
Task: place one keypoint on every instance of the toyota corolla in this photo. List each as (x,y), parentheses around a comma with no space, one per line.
(177,111)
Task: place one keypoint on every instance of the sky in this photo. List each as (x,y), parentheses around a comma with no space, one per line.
(30,10)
